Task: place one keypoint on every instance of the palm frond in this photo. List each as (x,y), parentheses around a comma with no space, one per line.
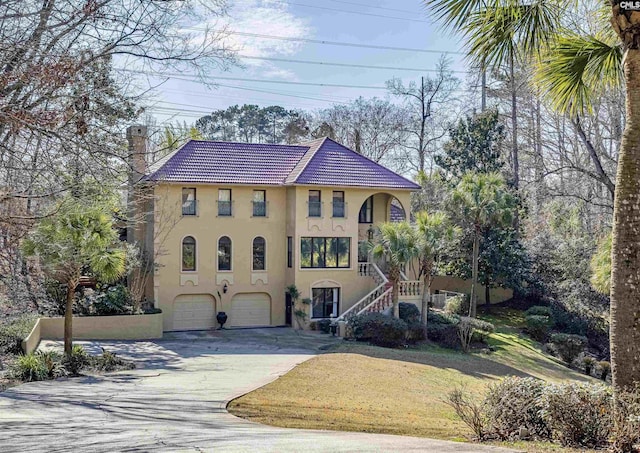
(576,67)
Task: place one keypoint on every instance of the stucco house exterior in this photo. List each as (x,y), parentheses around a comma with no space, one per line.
(233,224)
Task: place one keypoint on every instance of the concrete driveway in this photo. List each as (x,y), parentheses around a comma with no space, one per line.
(176,399)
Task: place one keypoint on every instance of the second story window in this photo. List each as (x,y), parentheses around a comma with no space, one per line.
(259,254)
(224,254)
(366,211)
(224,202)
(189,254)
(338,204)
(188,201)
(259,203)
(315,204)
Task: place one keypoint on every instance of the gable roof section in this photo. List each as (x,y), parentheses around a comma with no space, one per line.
(336,165)
(201,161)
(318,162)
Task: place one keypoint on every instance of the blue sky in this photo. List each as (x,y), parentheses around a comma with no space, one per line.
(400,23)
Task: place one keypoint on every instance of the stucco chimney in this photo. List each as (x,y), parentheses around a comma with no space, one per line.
(137,138)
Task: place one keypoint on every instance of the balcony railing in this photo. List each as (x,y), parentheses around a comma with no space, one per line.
(315,208)
(339,209)
(189,207)
(225,208)
(259,208)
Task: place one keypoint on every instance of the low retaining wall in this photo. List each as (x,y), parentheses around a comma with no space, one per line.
(458,285)
(131,327)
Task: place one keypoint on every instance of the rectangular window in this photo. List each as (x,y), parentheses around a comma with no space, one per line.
(188,201)
(363,251)
(325,252)
(338,204)
(259,203)
(224,202)
(366,211)
(315,204)
(326,302)
(289,251)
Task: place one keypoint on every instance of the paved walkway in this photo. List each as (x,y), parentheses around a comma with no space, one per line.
(175,401)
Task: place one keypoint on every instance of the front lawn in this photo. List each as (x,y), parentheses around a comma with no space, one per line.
(356,387)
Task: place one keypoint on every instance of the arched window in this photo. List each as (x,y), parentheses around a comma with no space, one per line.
(189,254)
(224,254)
(259,254)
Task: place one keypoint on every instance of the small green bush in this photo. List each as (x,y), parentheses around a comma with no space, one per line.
(379,329)
(568,346)
(578,415)
(109,361)
(588,363)
(29,367)
(442,329)
(52,362)
(538,310)
(13,332)
(514,403)
(457,305)
(114,300)
(415,332)
(605,368)
(481,330)
(76,361)
(324,325)
(538,326)
(625,435)
(409,312)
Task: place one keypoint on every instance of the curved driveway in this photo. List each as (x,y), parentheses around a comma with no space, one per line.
(176,399)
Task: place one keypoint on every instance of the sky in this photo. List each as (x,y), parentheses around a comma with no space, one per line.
(386,23)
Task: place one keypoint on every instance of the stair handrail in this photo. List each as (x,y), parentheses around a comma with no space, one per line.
(349,313)
(375,301)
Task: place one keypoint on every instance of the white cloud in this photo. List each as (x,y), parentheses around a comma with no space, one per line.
(265,17)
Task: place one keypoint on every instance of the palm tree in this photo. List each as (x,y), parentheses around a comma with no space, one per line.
(484,201)
(573,65)
(433,231)
(75,238)
(397,244)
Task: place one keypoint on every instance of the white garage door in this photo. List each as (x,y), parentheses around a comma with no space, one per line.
(194,312)
(250,310)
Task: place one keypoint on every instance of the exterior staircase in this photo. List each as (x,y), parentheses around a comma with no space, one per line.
(381,298)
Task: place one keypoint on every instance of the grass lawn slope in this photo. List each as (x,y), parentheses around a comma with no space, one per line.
(356,387)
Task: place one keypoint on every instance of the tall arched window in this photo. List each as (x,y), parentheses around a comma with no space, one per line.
(224,254)
(259,254)
(189,254)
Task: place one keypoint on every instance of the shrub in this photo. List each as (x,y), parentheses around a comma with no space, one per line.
(442,329)
(625,433)
(514,403)
(409,312)
(568,346)
(465,333)
(52,362)
(538,326)
(457,305)
(29,367)
(109,361)
(379,329)
(481,330)
(324,325)
(538,310)
(13,332)
(578,414)
(76,361)
(469,411)
(588,362)
(605,369)
(415,332)
(114,300)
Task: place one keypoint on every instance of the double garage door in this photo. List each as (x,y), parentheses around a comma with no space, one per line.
(198,311)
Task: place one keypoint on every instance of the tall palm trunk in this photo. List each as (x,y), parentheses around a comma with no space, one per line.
(473,302)
(394,278)
(426,292)
(625,255)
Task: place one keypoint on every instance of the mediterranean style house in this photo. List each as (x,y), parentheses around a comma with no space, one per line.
(231,226)
(234,224)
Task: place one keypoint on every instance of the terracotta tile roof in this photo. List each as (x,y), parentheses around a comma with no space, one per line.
(318,162)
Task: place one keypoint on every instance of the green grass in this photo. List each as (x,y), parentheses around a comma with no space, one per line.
(356,387)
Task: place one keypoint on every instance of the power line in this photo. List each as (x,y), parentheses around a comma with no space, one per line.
(341,43)
(351,12)
(343,65)
(375,7)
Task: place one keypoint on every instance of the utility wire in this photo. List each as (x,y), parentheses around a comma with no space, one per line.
(341,43)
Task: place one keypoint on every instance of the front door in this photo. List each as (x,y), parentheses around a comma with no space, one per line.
(288,309)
